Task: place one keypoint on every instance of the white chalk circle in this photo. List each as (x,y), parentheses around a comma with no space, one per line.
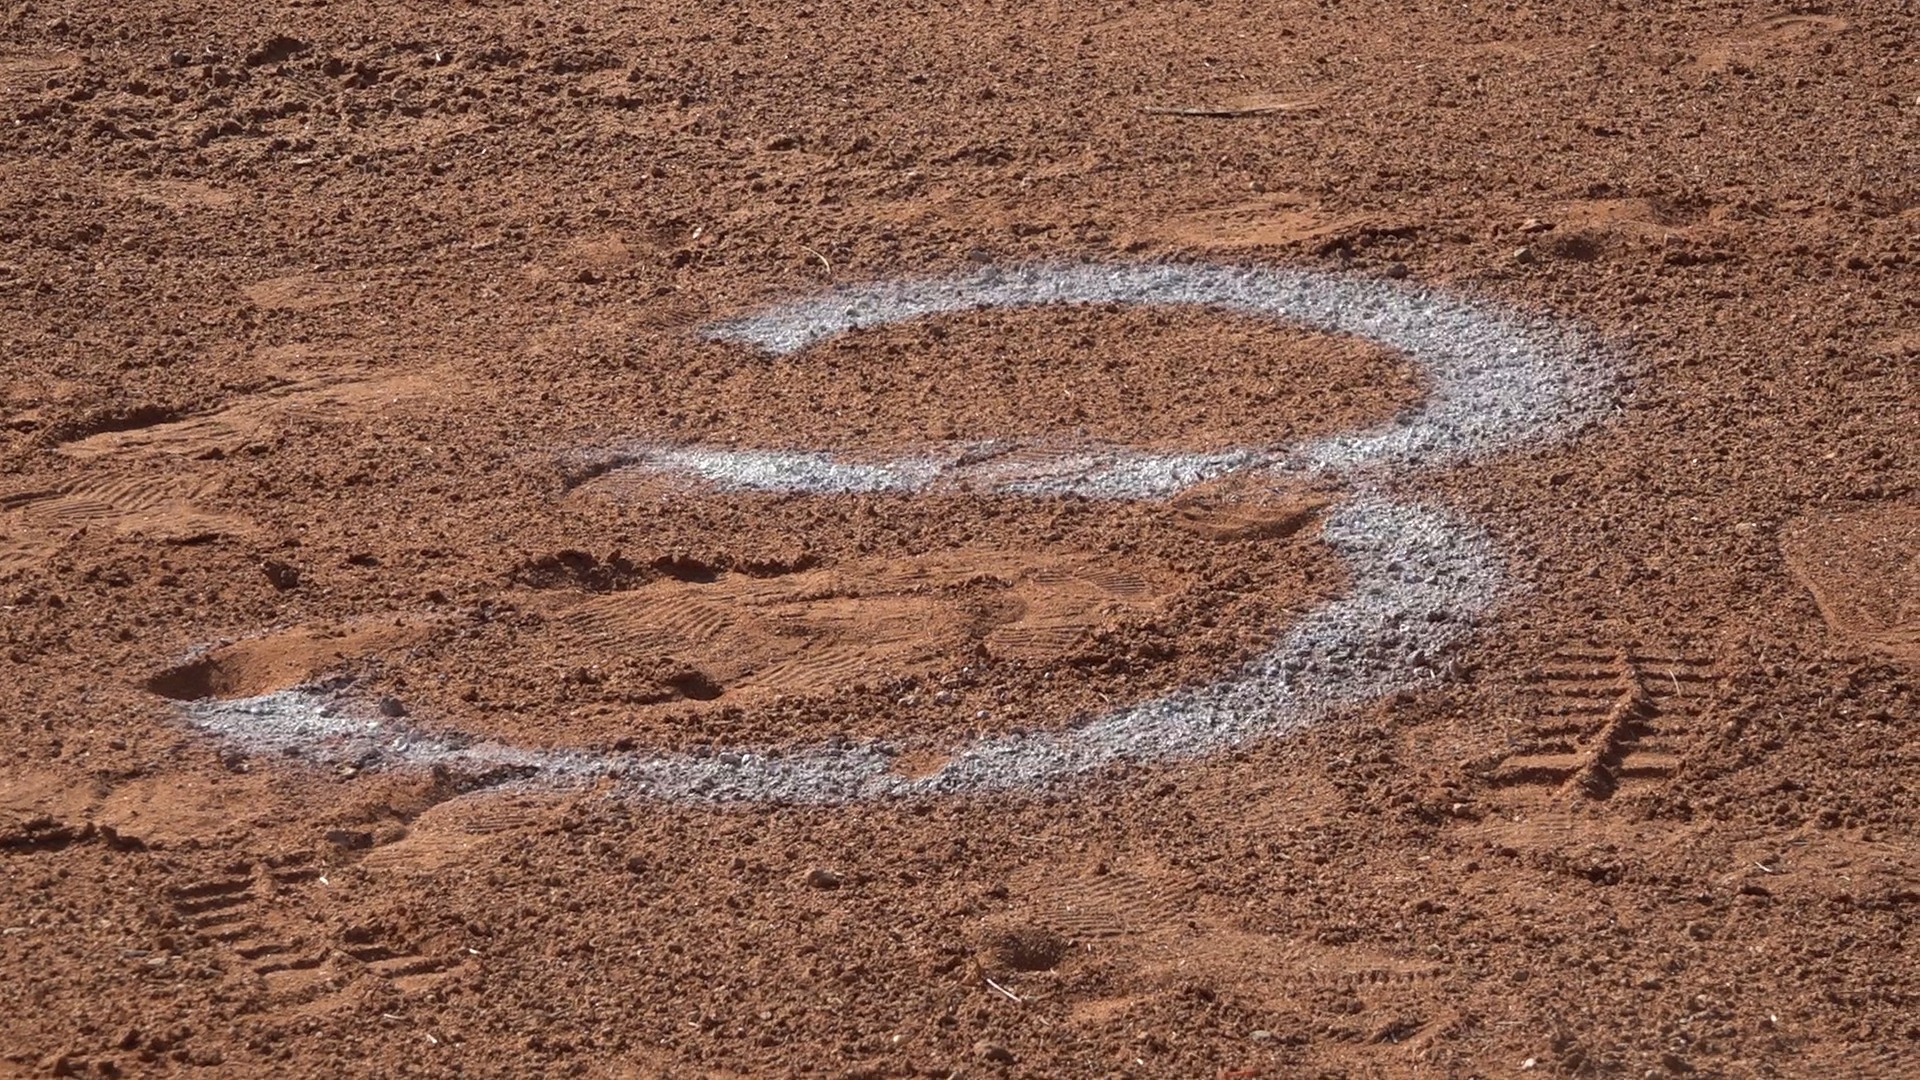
(1421,577)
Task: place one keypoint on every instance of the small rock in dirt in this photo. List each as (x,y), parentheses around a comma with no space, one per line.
(782,142)
(350,839)
(1261,1036)
(1524,256)
(994,1052)
(392,707)
(281,575)
(822,878)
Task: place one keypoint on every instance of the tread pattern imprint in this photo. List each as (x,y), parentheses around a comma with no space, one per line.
(136,484)
(1599,724)
(1150,929)
(818,630)
(34,523)
(262,914)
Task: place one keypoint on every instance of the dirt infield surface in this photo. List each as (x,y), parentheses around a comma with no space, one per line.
(1208,539)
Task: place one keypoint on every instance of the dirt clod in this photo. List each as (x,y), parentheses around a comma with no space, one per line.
(994,1053)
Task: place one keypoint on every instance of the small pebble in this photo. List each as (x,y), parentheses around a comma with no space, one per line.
(280,575)
(822,878)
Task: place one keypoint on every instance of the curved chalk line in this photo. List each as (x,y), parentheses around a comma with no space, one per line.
(1495,380)
(1421,576)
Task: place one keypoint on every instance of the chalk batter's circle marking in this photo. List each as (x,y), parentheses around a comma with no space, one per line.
(1421,576)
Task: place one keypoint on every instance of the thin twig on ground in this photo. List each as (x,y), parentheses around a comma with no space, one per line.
(1011,996)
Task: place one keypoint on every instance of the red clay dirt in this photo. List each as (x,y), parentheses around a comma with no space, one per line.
(323,320)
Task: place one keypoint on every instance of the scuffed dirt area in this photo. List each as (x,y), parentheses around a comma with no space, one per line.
(326,325)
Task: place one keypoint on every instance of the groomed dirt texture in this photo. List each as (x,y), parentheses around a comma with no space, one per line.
(323,321)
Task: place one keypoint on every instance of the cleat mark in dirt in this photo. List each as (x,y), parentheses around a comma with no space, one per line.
(663,619)
(1121,583)
(327,981)
(1229,522)
(817,631)
(1725,53)
(1034,641)
(195,437)
(164,507)
(1863,569)
(1148,929)
(22,551)
(298,292)
(329,398)
(33,66)
(453,833)
(246,912)
(1108,902)
(1601,724)
(117,501)
(257,914)
(822,670)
